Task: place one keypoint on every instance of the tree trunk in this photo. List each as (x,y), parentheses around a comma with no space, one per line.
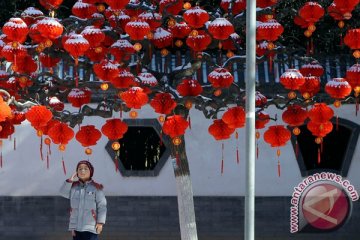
(185,194)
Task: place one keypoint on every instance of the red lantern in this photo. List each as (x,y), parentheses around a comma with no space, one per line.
(175,126)
(49,28)
(5,110)
(97,20)
(48,126)
(320,129)
(265,3)
(50,4)
(116,4)
(237,6)
(312,69)
(292,79)
(79,96)
(260,100)
(189,87)
(16,30)
(311,12)
(125,79)
(7,129)
(353,76)
(338,88)
(137,29)
(147,79)
(83,10)
(294,115)
(352,38)
(261,120)
(220,78)
(198,42)
(180,30)
(134,97)
(25,65)
(347,6)
(30,15)
(93,35)
(96,54)
(61,133)
(162,38)
(334,12)
(228,44)
(163,103)
(119,20)
(152,18)
(170,6)
(122,50)
(114,129)
(220,130)
(220,28)
(76,45)
(277,136)
(56,104)
(88,135)
(301,22)
(38,116)
(106,70)
(196,17)
(234,117)
(48,61)
(310,87)
(10,52)
(270,30)
(320,112)
(16,117)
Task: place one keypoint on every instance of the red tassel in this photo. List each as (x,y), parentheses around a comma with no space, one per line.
(116,164)
(222,158)
(270,63)
(189,120)
(41,146)
(279,168)
(177,159)
(237,155)
(76,73)
(63,164)
(257,151)
(49,149)
(319,156)
(222,166)
(1,160)
(121,111)
(356,106)
(321,146)
(341,40)
(161,138)
(47,161)
(296,149)
(337,123)
(14,143)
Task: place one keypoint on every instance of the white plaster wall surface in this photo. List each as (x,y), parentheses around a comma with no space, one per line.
(25,174)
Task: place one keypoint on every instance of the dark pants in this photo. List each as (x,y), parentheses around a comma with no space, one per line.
(85,236)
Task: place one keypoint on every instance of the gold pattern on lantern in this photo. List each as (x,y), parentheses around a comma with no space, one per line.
(88,151)
(176,141)
(133,114)
(341,24)
(337,104)
(187,5)
(292,95)
(296,131)
(62,147)
(115,146)
(104,86)
(137,47)
(318,140)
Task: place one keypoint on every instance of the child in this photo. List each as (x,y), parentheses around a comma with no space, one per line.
(88,203)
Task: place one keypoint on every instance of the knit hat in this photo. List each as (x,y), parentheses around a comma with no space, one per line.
(87,163)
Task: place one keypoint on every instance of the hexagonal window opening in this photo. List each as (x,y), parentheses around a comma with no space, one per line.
(143,151)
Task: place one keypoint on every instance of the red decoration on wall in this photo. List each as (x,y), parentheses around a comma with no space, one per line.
(175,126)
(114,129)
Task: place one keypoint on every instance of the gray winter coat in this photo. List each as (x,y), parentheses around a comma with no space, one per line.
(88,205)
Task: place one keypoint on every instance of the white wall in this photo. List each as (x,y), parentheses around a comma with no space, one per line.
(23,173)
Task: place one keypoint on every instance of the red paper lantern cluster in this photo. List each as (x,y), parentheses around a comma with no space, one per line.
(134,97)
(76,45)
(152,18)
(234,117)
(114,129)
(175,126)
(189,87)
(220,78)
(163,103)
(220,130)
(88,135)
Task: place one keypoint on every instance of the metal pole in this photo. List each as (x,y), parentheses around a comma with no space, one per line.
(250,119)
